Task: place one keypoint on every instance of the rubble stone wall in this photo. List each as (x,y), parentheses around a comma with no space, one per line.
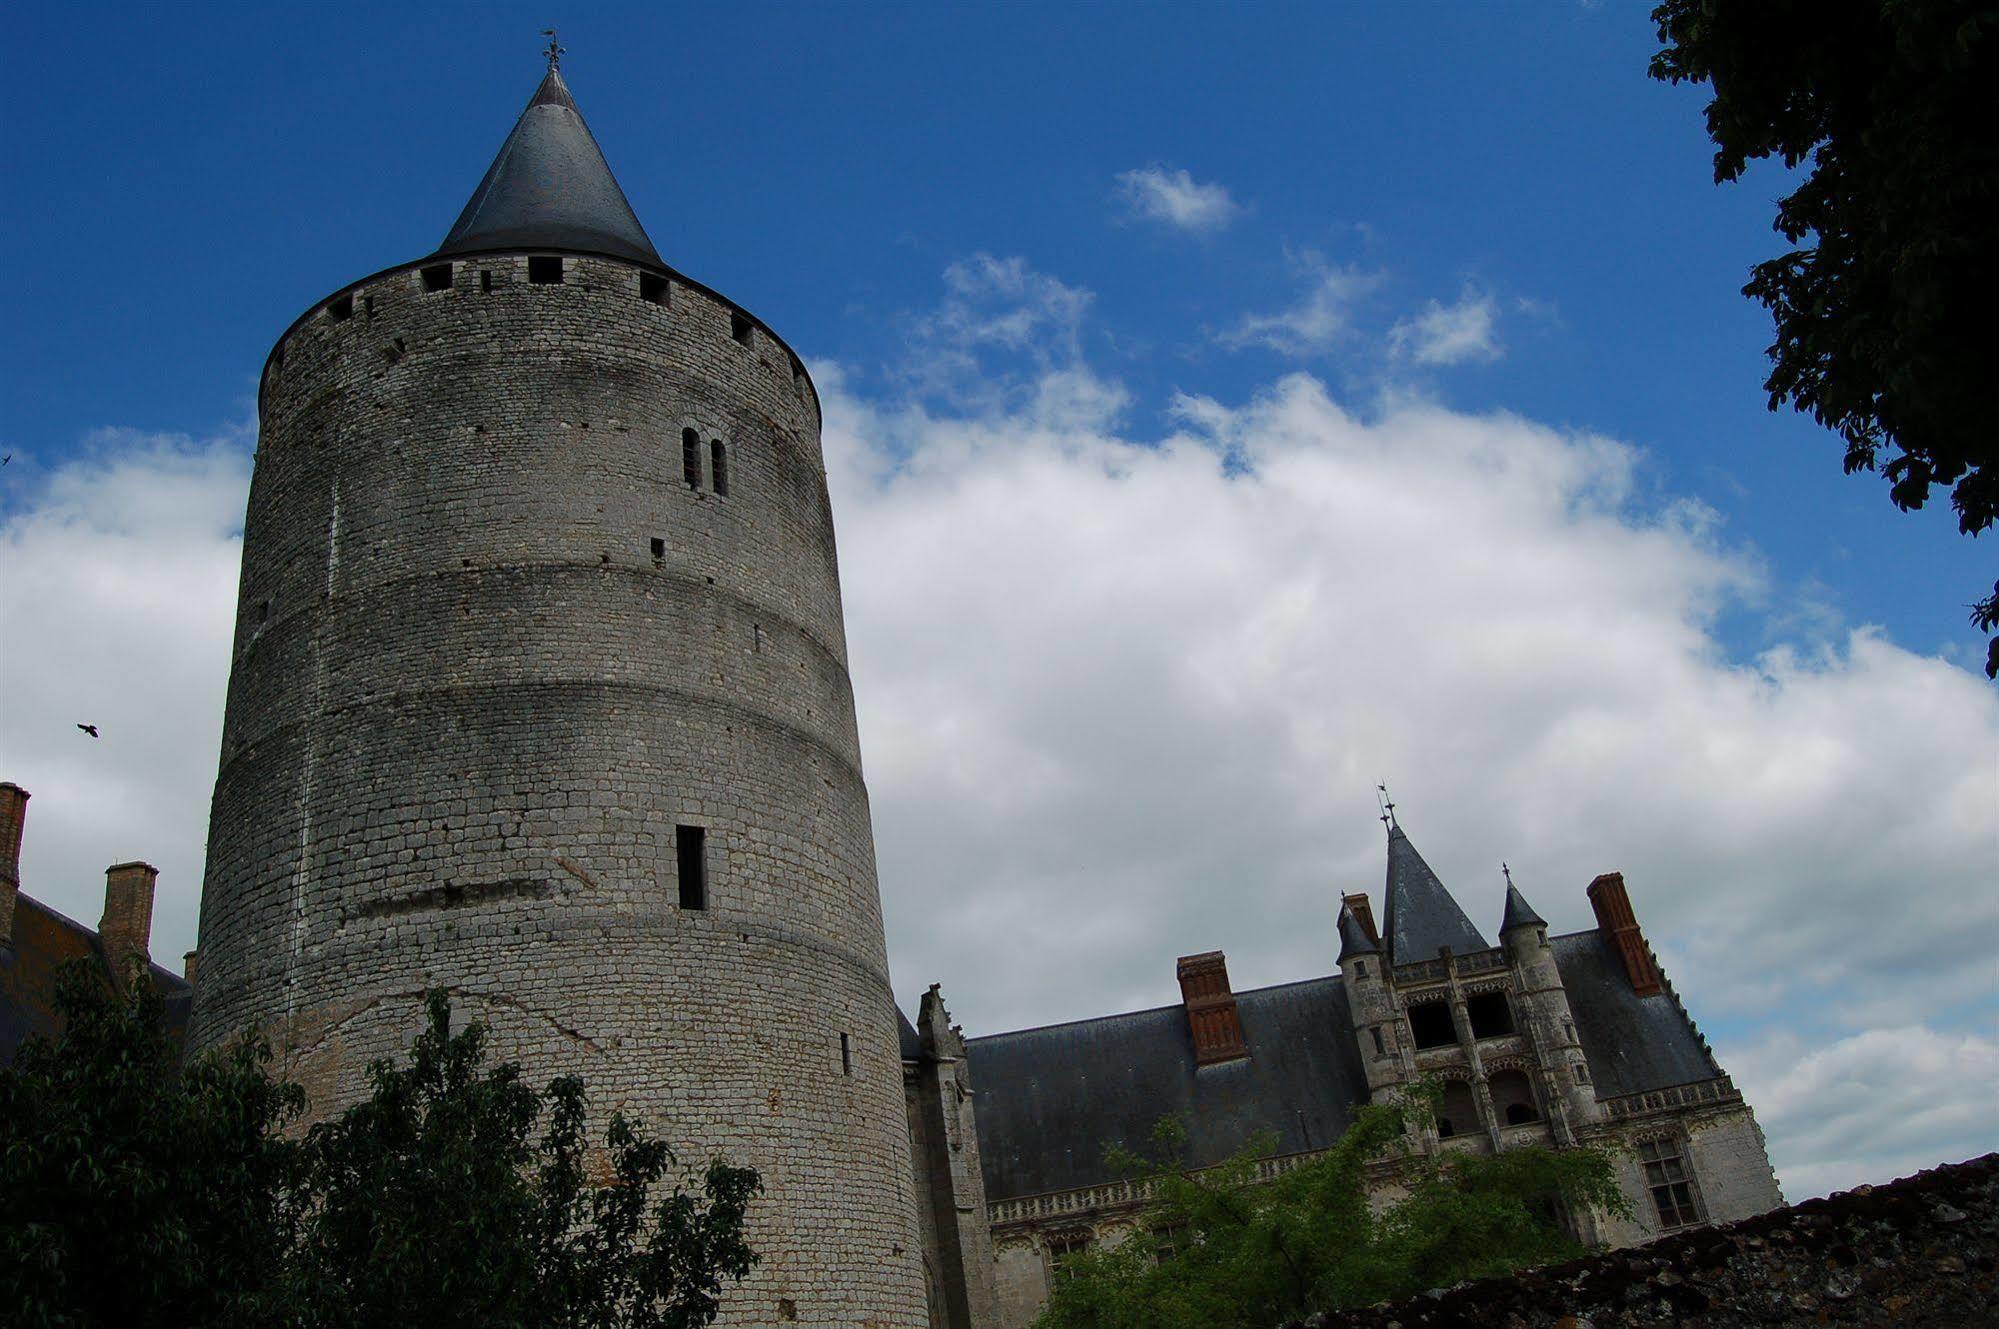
(1922,1252)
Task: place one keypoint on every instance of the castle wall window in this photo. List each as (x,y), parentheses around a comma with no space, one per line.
(485,279)
(1061,1246)
(691,846)
(1430,1025)
(718,467)
(1582,1073)
(545,270)
(658,547)
(652,289)
(1672,1186)
(1380,1049)
(1489,1015)
(342,309)
(437,277)
(846,1055)
(1513,1098)
(739,327)
(690,457)
(1457,1114)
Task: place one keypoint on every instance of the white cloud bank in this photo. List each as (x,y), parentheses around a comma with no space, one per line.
(1176,199)
(1455,334)
(1125,697)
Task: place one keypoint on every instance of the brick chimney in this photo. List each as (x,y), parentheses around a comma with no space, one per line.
(1211,1012)
(1363,913)
(1619,927)
(188,962)
(127,927)
(13,816)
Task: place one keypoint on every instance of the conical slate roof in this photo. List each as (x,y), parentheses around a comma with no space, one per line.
(1421,915)
(1353,937)
(1519,914)
(550,188)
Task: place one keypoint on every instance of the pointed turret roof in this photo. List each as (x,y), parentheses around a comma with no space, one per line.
(550,188)
(1421,916)
(1353,937)
(1519,914)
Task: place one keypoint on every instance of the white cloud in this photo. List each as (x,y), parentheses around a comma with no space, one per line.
(1125,697)
(117,602)
(1879,1104)
(1321,318)
(1175,198)
(1449,334)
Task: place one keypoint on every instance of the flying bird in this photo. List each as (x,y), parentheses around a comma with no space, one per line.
(90,729)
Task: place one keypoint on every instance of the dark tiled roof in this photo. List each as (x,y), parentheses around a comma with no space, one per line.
(1633,1043)
(1353,937)
(1421,915)
(550,188)
(1519,914)
(1052,1100)
(44,941)
(907,1038)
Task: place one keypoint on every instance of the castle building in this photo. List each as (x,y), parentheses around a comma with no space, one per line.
(539,693)
(1561,1040)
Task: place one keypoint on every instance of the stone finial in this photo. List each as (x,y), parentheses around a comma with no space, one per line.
(934,1027)
(13,817)
(127,926)
(1212,1018)
(1619,926)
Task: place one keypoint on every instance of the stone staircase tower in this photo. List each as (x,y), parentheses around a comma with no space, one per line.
(539,694)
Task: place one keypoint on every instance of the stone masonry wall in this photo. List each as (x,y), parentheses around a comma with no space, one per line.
(1922,1252)
(491,651)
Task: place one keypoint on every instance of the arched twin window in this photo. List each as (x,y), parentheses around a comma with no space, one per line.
(718,462)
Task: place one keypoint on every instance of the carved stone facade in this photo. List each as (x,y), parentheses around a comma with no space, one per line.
(1548,1040)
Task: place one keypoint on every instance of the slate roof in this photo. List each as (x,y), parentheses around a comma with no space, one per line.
(1519,914)
(550,188)
(1052,1100)
(43,941)
(907,1039)
(1420,915)
(1353,937)
(1632,1043)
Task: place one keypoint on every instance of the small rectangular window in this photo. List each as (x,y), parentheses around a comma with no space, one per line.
(652,288)
(739,327)
(691,844)
(1380,1049)
(368,305)
(658,547)
(846,1055)
(544,270)
(718,468)
(485,279)
(797,370)
(437,277)
(342,309)
(1667,1178)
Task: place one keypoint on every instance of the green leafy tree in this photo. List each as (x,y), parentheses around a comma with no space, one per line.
(1222,1248)
(1884,303)
(433,1204)
(136,1193)
(131,1193)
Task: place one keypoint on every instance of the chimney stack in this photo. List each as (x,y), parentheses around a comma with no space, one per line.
(1363,914)
(187,966)
(13,816)
(1619,927)
(127,927)
(1211,1010)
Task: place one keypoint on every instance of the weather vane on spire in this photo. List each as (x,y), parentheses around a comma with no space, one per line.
(1507,873)
(554,52)
(1387,806)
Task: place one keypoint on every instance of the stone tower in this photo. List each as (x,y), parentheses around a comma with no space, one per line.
(539,694)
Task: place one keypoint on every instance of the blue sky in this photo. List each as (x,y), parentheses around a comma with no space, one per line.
(197,175)
(1227,407)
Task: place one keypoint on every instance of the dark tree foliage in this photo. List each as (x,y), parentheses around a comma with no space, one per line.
(136,1194)
(131,1194)
(1223,1248)
(1883,307)
(435,1205)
